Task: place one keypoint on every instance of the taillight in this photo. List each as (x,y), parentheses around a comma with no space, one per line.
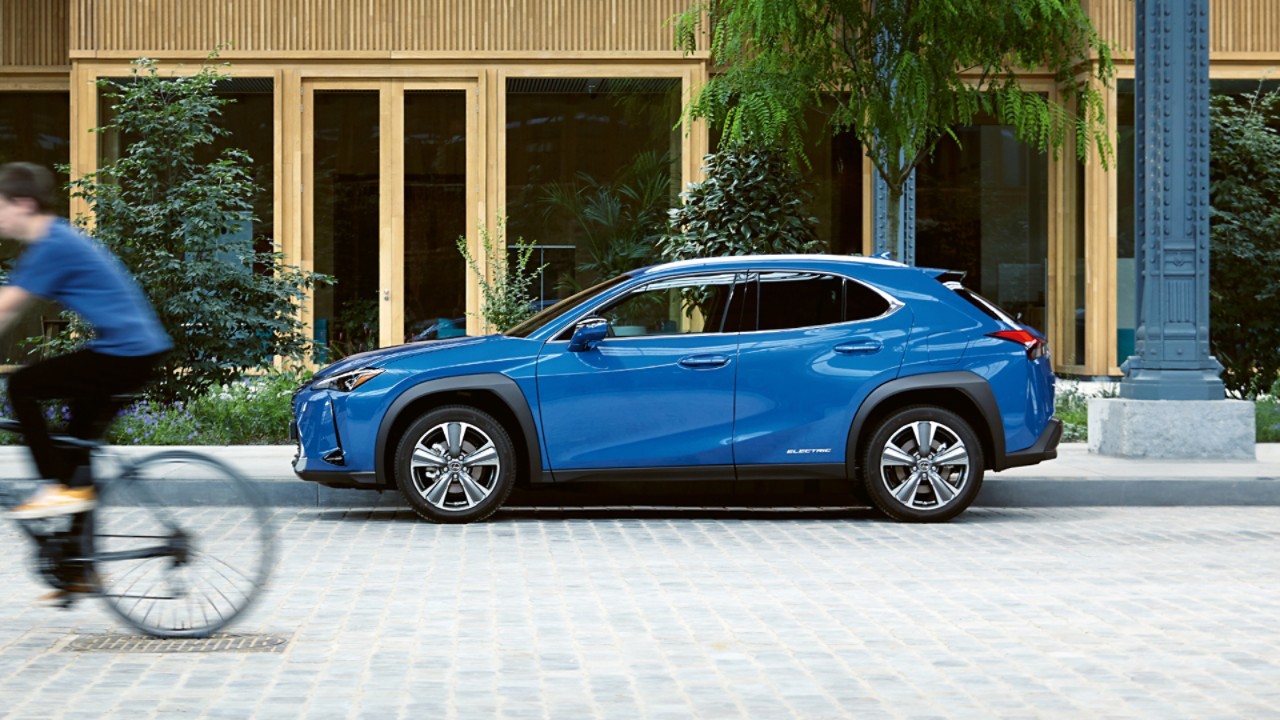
(1035,347)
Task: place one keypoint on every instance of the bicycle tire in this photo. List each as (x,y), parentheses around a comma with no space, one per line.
(183,544)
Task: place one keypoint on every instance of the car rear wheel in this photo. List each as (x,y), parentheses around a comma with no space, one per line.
(922,464)
(455,464)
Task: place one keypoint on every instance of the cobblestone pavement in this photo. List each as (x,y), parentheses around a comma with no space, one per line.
(1065,612)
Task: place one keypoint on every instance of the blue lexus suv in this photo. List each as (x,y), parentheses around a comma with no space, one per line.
(791,367)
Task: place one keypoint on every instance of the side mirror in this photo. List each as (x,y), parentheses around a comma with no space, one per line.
(587,333)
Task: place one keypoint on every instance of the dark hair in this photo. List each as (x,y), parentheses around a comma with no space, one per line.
(28,180)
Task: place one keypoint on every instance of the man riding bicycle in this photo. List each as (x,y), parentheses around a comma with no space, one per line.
(59,263)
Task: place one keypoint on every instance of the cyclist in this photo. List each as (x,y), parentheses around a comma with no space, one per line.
(59,263)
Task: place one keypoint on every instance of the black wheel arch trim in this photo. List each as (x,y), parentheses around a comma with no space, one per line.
(970,384)
(504,387)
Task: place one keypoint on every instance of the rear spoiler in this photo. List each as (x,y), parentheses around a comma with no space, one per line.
(944,276)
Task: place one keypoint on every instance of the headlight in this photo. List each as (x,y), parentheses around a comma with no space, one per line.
(348,381)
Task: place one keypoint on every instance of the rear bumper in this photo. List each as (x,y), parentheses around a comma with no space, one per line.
(1044,448)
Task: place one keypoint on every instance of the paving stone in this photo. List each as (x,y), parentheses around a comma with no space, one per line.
(1051,612)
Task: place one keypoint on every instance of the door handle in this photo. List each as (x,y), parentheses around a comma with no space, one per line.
(704,361)
(859,347)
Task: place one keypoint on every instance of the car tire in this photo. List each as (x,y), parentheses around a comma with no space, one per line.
(455,464)
(913,486)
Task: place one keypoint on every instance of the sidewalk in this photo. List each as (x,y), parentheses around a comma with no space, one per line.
(1075,479)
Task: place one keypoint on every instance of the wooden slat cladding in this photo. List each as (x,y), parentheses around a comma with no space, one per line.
(1235,26)
(33,33)
(1244,26)
(375,26)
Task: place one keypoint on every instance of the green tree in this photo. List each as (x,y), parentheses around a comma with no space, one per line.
(751,202)
(902,73)
(1244,250)
(182,229)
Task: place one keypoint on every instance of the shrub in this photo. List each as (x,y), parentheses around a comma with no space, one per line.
(506,287)
(751,202)
(1244,265)
(179,227)
(250,411)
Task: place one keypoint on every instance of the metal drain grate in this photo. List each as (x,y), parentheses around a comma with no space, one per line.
(219,642)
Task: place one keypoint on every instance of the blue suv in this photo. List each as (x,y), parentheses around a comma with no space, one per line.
(771,367)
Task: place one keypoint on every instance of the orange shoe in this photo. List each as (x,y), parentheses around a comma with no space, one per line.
(54,500)
(66,596)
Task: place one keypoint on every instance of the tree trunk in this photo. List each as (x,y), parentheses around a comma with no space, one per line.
(893,224)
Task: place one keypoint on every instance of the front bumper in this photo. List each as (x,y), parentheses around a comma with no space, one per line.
(319,455)
(1044,448)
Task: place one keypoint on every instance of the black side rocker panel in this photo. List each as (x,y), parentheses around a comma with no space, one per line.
(502,386)
(973,387)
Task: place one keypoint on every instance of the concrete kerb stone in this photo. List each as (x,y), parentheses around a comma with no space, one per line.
(1077,478)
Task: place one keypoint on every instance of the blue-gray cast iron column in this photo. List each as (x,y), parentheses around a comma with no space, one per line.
(1171,359)
(904,246)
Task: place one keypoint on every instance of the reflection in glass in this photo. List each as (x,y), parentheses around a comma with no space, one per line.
(835,179)
(592,166)
(345,220)
(435,213)
(983,208)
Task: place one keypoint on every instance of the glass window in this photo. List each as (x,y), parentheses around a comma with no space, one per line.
(1126,272)
(346,206)
(250,116)
(798,300)
(593,165)
(672,307)
(861,302)
(982,207)
(35,127)
(835,179)
(435,213)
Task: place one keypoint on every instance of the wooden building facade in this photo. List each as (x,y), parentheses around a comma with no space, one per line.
(382,130)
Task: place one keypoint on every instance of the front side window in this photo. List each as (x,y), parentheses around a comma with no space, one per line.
(677,306)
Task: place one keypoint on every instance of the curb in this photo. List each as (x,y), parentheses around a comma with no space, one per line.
(1096,483)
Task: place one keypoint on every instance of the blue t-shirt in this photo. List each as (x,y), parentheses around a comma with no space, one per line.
(85,277)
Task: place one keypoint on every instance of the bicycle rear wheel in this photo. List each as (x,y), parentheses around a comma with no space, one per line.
(183,544)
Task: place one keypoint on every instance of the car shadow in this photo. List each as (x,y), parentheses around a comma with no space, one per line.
(675,501)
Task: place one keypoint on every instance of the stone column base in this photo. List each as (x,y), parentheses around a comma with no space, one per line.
(1176,429)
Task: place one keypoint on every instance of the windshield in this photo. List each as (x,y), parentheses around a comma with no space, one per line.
(528,327)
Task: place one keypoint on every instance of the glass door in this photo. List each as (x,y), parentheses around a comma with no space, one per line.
(387,174)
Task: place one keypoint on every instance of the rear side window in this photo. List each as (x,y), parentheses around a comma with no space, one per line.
(790,300)
(987,307)
(796,300)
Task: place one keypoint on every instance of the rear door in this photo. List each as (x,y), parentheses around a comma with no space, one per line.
(822,343)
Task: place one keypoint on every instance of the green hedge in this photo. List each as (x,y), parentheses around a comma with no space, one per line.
(253,411)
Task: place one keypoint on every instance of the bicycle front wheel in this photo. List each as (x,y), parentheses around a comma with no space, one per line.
(183,544)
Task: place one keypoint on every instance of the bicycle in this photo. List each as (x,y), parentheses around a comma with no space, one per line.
(145,548)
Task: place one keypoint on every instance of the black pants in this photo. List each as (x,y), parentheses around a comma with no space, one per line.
(86,380)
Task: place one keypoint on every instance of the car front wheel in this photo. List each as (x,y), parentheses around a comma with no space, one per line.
(922,464)
(455,464)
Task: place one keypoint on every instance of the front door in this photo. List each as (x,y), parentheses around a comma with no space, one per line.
(386,191)
(657,393)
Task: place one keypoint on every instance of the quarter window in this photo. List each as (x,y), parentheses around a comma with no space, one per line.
(861,302)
